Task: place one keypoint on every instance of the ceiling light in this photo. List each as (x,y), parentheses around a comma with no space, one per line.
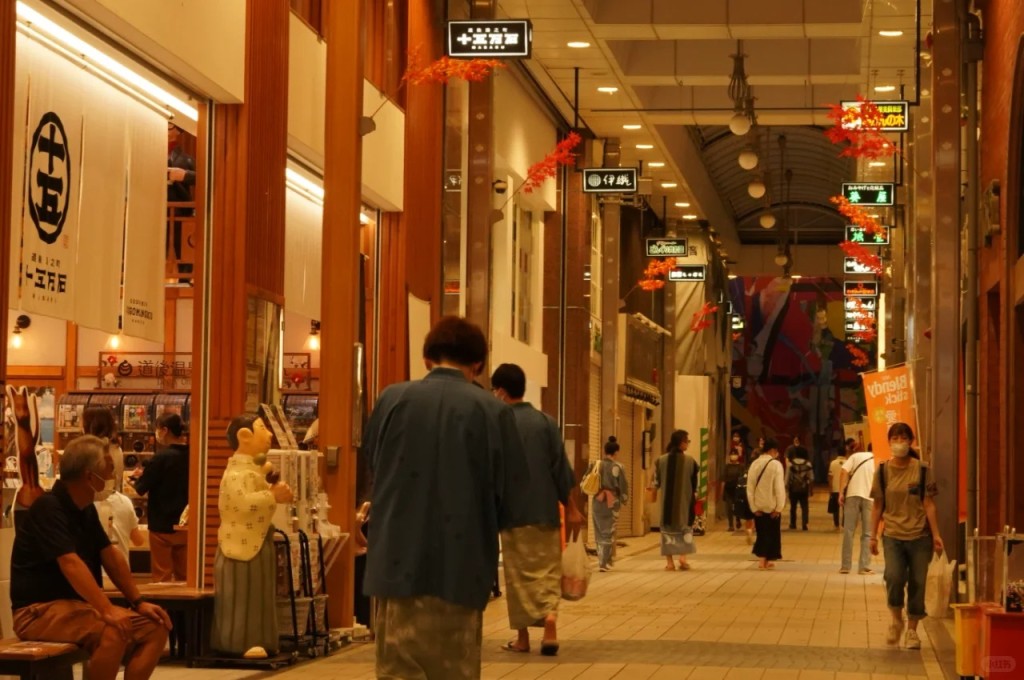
(632,126)
(885,88)
(644,147)
(656,164)
(767,220)
(796,276)
(682,204)
(748,159)
(890,34)
(668,185)
(739,124)
(732,276)
(689,217)
(100,60)
(757,189)
(578,44)
(782,259)
(608,90)
(876,164)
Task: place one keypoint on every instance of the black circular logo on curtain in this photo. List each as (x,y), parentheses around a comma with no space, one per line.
(49,177)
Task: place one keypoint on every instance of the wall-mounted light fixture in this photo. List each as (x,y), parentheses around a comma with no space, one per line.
(21,323)
(313,341)
(114,341)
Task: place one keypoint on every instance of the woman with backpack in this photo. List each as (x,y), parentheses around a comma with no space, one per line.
(904,491)
(799,484)
(613,492)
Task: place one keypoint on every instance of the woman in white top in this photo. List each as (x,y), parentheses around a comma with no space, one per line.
(766,492)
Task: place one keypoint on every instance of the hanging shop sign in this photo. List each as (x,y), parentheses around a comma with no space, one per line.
(860,289)
(852,266)
(667,247)
(688,272)
(609,180)
(738,323)
(889,398)
(507,39)
(859,325)
(855,304)
(864,193)
(893,116)
(856,234)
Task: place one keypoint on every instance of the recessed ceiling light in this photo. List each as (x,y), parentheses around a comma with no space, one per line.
(885,88)
(876,164)
(632,126)
(796,276)
(890,34)
(682,204)
(689,217)
(608,90)
(644,147)
(668,185)
(578,44)
(656,164)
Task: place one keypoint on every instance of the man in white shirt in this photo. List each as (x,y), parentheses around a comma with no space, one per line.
(835,479)
(766,492)
(855,497)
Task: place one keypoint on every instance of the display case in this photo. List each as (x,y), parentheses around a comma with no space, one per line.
(301,410)
(70,408)
(137,423)
(172,403)
(111,400)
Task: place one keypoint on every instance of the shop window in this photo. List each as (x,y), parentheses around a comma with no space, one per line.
(522,272)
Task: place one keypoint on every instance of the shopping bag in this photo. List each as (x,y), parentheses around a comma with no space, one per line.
(938,585)
(575,571)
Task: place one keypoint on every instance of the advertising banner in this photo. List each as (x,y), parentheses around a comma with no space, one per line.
(889,396)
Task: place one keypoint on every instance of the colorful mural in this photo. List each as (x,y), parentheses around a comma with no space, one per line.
(793,372)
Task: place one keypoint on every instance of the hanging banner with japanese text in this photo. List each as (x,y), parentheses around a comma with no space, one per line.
(889,397)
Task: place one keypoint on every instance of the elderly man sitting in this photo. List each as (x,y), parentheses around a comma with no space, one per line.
(56,574)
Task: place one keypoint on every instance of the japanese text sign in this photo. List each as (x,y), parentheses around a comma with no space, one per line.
(860,288)
(862,193)
(667,247)
(688,272)
(856,234)
(893,116)
(609,181)
(489,39)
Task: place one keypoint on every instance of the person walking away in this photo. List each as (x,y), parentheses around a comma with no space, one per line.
(675,473)
(748,523)
(738,447)
(856,480)
(445,459)
(605,506)
(835,481)
(766,493)
(165,480)
(904,491)
(730,478)
(532,544)
(799,485)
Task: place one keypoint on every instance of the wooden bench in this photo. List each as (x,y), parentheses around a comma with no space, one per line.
(191,610)
(30,660)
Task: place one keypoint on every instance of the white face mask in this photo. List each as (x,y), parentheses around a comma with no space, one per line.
(899,449)
(108,489)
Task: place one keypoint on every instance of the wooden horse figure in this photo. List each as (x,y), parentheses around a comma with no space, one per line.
(26,418)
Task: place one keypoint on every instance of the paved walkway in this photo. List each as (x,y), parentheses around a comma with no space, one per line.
(725,619)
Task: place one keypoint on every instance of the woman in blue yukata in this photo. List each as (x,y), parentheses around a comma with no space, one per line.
(675,473)
(607,502)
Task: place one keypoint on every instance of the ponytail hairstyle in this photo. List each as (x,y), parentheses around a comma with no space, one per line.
(611,447)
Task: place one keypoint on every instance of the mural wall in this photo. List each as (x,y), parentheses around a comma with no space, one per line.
(794,374)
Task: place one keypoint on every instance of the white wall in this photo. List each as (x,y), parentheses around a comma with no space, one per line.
(384,152)
(307,78)
(523,135)
(200,42)
(807,261)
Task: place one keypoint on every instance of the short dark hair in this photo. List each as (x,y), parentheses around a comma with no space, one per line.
(511,378)
(769,444)
(173,422)
(800,452)
(611,446)
(457,340)
(675,442)
(244,421)
(99,422)
(901,429)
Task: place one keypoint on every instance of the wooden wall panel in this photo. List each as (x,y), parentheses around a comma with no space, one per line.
(392,361)
(310,11)
(7,51)
(386,52)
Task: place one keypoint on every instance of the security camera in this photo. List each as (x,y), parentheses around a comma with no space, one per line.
(500,186)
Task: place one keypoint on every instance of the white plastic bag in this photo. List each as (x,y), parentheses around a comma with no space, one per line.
(575,571)
(938,585)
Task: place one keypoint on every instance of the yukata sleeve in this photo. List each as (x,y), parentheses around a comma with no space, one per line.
(561,469)
(510,470)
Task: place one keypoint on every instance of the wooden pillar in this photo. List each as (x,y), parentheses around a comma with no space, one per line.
(246,235)
(340,283)
(479,193)
(7,51)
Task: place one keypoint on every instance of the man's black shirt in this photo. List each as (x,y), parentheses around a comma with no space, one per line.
(165,479)
(54,527)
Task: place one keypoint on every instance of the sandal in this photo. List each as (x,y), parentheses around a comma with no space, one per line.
(670,568)
(684,566)
(549,648)
(511,646)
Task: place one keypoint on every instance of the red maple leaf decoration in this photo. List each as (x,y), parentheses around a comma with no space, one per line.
(702,317)
(858,216)
(859,128)
(655,273)
(545,169)
(446,68)
(860,358)
(862,255)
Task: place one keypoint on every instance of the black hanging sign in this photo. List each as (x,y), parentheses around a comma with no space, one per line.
(508,39)
(688,272)
(866,193)
(609,181)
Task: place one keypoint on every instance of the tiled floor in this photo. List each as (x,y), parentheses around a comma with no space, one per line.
(724,620)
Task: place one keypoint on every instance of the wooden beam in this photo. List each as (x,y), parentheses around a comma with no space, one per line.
(7,53)
(343,149)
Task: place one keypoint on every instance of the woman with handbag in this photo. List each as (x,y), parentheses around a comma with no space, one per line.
(675,474)
(607,502)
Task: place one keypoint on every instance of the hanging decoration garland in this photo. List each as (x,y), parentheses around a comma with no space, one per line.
(655,274)
(444,69)
(860,357)
(702,318)
(863,256)
(858,216)
(859,129)
(547,168)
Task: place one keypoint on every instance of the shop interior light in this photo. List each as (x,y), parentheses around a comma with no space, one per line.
(364,218)
(876,164)
(578,44)
(689,217)
(304,185)
(608,89)
(85,51)
(656,164)
(313,342)
(22,322)
(890,34)
(682,204)
(632,126)
(114,342)
(885,88)
(668,185)
(645,147)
